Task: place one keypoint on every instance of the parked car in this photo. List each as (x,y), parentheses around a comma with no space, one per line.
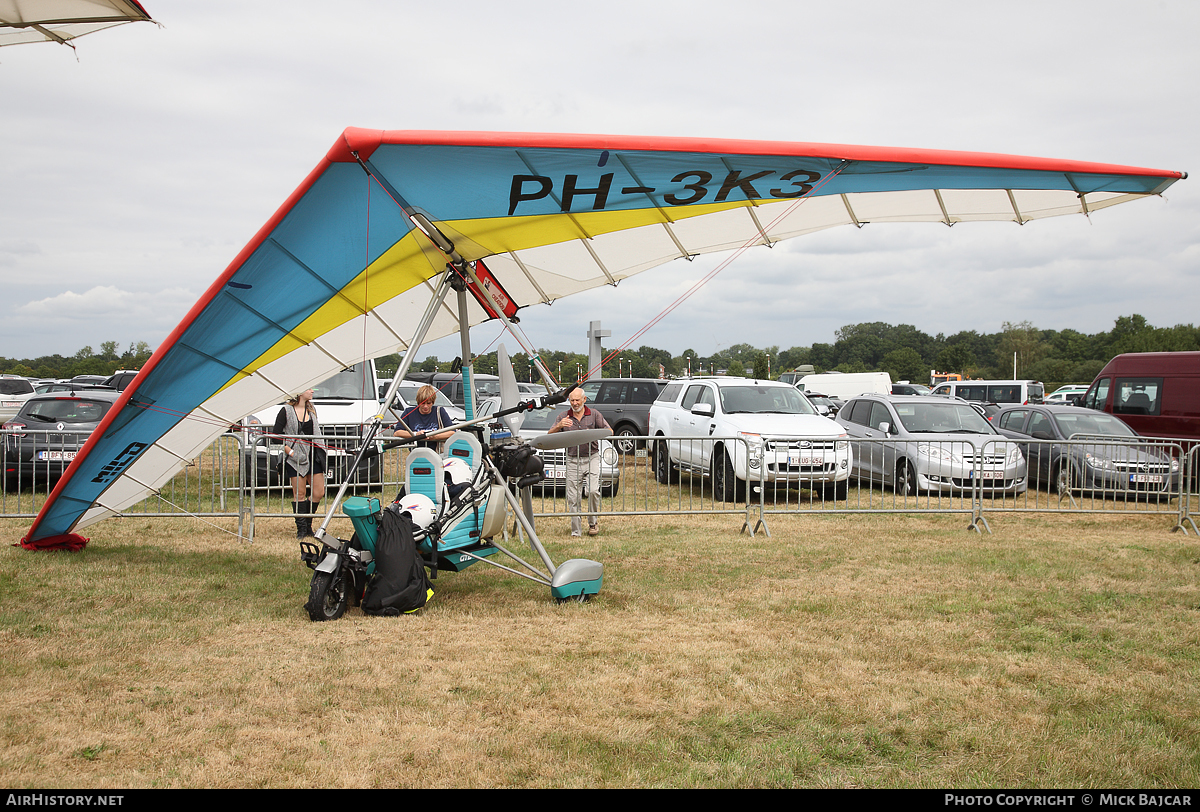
(906,388)
(53,388)
(450,384)
(1083,466)
(1066,394)
(14,391)
(826,406)
(625,404)
(406,398)
(554,461)
(846,385)
(785,440)
(1014,391)
(988,410)
(345,402)
(121,379)
(932,444)
(45,435)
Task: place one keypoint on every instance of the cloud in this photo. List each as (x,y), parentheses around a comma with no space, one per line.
(63,323)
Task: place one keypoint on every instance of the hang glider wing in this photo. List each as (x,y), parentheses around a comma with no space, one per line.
(24,21)
(342,272)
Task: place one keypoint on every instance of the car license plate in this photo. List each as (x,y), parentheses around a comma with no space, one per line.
(988,474)
(56,456)
(555,472)
(1147,478)
(797,460)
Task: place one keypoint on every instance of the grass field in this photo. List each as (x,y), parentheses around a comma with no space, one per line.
(842,651)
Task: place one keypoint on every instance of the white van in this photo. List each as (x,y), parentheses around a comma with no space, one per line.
(845,385)
(1001,392)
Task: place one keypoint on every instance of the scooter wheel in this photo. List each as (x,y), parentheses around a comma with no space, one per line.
(327,599)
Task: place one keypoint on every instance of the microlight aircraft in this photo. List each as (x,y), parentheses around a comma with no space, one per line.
(390,224)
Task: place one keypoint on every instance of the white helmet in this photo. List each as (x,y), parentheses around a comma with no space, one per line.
(459,471)
(419,507)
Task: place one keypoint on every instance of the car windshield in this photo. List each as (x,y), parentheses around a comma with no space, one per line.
(539,419)
(349,384)
(66,410)
(752,399)
(942,418)
(1099,424)
(15,386)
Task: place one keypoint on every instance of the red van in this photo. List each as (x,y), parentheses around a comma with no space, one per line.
(1156,393)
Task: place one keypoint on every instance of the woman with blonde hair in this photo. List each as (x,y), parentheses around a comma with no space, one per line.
(304,461)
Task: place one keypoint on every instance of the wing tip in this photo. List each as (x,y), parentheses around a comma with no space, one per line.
(70,542)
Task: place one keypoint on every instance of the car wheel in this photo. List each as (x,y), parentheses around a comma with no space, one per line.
(726,486)
(1062,479)
(622,439)
(664,471)
(906,479)
(836,491)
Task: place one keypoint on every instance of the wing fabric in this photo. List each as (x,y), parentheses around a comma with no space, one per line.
(24,21)
(340,273)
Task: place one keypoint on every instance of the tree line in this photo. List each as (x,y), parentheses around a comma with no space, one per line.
(86,361)
(904,352)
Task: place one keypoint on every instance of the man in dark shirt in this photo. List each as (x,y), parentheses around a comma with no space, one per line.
(583,461)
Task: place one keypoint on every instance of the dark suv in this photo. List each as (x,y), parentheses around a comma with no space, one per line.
(450,384)
(625,404)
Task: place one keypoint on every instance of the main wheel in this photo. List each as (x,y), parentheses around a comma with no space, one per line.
(580,598)
(906,479)
(726,486)
(327,599)
(664,471)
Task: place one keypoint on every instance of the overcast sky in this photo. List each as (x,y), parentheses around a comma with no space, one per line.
(136,167)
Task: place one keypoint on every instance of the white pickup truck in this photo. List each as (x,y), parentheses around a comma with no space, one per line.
(344,403)
(738,430)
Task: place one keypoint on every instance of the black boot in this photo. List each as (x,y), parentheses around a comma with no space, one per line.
(302,531)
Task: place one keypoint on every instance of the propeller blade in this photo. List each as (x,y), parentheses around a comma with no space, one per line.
(509,394)
(566,439)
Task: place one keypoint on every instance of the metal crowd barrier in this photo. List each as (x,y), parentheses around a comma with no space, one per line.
(239,476)
(641,481)
(1003,475)
(32,461)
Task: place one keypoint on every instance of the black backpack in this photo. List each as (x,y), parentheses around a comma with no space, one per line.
(399,584)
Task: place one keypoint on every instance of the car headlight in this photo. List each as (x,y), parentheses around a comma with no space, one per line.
(843,442)
(936,452)
(1096,461)
(1014,455)
(608,454)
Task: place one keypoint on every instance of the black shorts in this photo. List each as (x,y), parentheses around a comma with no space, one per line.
(317,466)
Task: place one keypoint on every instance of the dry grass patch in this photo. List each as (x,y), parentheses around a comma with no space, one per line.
(841,651)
